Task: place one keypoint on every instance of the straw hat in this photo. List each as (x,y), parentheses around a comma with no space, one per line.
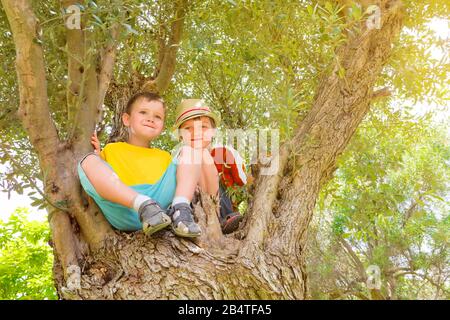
(192,108)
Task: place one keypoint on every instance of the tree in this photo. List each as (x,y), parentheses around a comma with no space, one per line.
(138,44)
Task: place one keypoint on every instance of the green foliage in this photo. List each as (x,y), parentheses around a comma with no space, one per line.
(26,259)
(389,201)
(240,197)
(257,62)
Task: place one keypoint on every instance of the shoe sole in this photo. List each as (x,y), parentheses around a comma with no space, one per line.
(148,231)
(232,225)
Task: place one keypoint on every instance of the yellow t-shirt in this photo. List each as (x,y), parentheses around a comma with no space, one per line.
(136,165)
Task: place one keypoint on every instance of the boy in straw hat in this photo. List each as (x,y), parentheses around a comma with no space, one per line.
(134,184)
(196,124)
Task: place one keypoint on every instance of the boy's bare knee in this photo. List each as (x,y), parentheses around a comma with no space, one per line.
(189,155)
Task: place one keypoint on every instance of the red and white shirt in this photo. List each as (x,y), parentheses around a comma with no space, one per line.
(230,165)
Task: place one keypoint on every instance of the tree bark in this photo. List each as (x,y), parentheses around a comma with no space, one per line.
(56,157)
(35,116)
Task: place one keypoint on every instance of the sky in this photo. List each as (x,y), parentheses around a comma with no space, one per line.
(8,206)
(439,26)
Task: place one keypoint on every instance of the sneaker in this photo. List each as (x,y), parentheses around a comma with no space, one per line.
(183,224)
(153,217)
(231,223)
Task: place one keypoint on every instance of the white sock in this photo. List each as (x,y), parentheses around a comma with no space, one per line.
(140,198)
(178,200)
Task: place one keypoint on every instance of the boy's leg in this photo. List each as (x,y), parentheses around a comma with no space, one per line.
(209,177)
(188,172)
(226,206)
(107,183)
(188,177)
(229,220)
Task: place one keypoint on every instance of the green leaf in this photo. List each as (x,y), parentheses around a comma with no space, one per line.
(130,29)
(341,72)
(97,18)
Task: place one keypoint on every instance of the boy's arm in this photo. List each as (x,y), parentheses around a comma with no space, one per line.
(96,144)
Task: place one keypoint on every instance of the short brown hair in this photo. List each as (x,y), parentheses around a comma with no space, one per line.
(149,96)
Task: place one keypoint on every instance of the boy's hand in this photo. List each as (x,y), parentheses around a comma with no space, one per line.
(95,143)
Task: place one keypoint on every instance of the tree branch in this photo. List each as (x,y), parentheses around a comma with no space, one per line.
(413,207)
(358,264)
(212,238)
(423,276)
(108,58)
(19,167)
(34,110)
(75,39)
(167,57)
(35,116)
(95,88)
(381,93)
(261,216)
(339,106)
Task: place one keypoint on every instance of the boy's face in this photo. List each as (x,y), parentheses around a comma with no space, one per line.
(197,132)
(146,120)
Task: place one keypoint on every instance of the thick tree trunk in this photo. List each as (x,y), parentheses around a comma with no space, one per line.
(169,268)
(268,260)
(133,266)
